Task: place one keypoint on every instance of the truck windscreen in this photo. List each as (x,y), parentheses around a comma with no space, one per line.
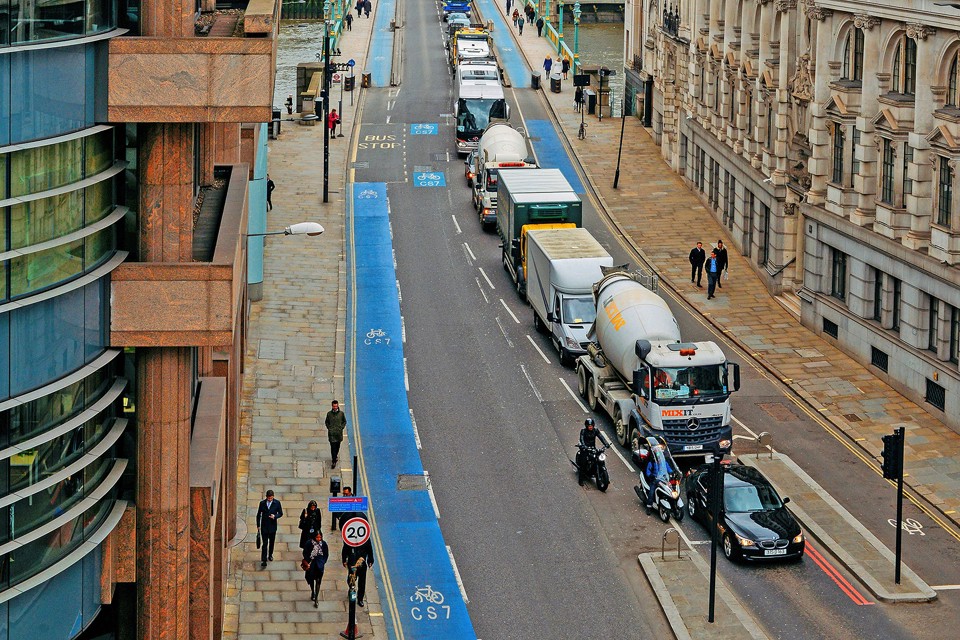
(474,114)
(689,382)
(577,311)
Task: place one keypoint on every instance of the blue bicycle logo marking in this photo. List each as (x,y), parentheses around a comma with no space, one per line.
(368,194)
(424,129)
(429,179)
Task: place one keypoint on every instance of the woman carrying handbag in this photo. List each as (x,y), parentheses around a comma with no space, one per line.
(309,522)
(315,554)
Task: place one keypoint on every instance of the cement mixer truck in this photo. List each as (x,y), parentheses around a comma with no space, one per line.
(647,379)
(501,147)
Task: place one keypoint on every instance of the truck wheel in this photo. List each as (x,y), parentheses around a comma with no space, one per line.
(582,382)
(592,393)
(623,434)
(538,324)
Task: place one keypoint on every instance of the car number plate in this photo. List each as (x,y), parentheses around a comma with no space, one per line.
(693,447)
(775,552)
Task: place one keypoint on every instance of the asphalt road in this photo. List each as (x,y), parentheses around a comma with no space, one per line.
(539,556)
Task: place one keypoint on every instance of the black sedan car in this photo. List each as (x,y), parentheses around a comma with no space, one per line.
(755,524)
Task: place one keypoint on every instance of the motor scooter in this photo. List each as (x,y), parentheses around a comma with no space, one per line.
(593,463)
(665,477)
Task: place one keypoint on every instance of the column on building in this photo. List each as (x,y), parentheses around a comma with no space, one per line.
(788,38)
(819,136)
(868,150)
(928,47)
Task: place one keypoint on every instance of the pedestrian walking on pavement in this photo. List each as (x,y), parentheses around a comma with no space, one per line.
(509,4)
(697,257)
(516,17)
(357,559)
(367,7)
(359,7)
(529,11)
(578,99)
(520,26)
(338,519)
(547,65)
(270,187)
(540,24)
(268,513)
(722,262)
(332,121)
(309,522)
(335,422)
(315,554)
(349,20)
(713,274)
(565,66)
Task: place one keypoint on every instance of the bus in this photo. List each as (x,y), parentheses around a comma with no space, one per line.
(477,106)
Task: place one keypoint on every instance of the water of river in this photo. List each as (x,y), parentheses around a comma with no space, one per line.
(600,43)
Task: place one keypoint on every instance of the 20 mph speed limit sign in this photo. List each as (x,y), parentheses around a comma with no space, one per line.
(355,532)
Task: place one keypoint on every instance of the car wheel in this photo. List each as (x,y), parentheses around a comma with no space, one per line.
(691,508)
(623,435)
(565,359)
(582,382)
(730,548)
(592,393)
(538,323)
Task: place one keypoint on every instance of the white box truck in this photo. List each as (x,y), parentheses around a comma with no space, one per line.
(562,267)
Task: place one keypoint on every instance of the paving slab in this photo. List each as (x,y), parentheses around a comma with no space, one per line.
(840,532)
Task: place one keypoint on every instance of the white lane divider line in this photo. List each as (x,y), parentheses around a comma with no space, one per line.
(536,391)
(388,119)
(456,574)
(504,332)
(509,311)
(484,274)
(399,295)
(482,292)
(433,498)
(946,587)
(744,427)
(574,396)
(416,433)
(403,330)
(466,254)
(616,450)
(470,251)
(406,378)
(394,252)
(456,224)
(542,354)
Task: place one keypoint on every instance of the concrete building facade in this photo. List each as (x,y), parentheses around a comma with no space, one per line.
(123,209)
(824,136)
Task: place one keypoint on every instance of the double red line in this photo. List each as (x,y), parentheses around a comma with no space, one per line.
(834,575)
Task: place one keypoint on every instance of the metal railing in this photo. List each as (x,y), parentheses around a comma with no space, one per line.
(671,20)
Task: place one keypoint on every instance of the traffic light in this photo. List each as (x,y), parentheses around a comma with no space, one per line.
(892,462)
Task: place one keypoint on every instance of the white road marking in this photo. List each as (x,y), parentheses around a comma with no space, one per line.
(504,332)
(399,295)
(737,436)
(449,196)
(470,251)
(456,224)
(484,274)
(536,391)
(744,427)
(403,330)
(456,574)
(509,311)
(613,447)
(394,252)
(406,378)
(482,292)
(388,119)
(574,395)
(946,587)
(467,254)
(542,354)
(416,433)
(433,498)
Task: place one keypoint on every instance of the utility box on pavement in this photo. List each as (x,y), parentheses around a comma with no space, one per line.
(535,80)
(590,97)
(555,79)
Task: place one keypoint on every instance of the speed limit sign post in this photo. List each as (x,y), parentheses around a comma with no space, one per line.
(355,532)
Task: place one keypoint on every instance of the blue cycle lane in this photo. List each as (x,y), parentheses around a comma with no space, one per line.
(380,57)
(420,592)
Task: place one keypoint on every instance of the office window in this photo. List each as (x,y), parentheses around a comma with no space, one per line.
(886,173)
(895,311)
(904,72)
(838,143)
(838,274)
(954,335)
(933,325)
(716,92)
(703,171)
(764,257)
(907,182)
(854,162)
(731,198)
(953,86)
(733,104)
(703,85)
(944,193)
(853,56)
(749,107)
(877,295)
(771,135)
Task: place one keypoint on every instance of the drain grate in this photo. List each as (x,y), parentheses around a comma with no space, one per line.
(440,157)
(413,482)
(852,417)
(418,168)
(778,411)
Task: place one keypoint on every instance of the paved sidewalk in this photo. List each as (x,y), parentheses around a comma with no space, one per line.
(649,208)
(294,368)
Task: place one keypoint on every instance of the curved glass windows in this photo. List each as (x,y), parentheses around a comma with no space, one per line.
(47,167)
(37,221)
(31,21)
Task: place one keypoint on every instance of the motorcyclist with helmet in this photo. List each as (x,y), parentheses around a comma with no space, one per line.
(657,467)
(588,440)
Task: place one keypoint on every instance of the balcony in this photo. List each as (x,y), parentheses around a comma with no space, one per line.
(180,304)
(217,78)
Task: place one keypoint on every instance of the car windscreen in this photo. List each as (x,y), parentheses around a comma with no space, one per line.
(577,311)
(750,498)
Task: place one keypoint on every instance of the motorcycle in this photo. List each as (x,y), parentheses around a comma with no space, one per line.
(667,500)
(594,464)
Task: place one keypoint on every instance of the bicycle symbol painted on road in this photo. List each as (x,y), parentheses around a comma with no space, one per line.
(424,129)
(376,336)
(429,179)
(428,605)
(368,194)
(427,594)
(909,525)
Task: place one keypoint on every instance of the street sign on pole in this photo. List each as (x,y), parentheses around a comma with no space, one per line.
(346,504)
(355,532)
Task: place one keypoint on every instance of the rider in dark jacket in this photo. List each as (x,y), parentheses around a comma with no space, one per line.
(588,439)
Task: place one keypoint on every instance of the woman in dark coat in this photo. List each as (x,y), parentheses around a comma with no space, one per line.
(565,67)
(309,522)
(315,554)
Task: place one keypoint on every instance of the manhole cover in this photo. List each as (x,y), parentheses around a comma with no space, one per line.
(272,350)
(308,469)
(440,157)
(413,482)
(852,417)
(778,411)
(419,168)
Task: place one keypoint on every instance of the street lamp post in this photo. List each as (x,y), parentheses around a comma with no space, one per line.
(325,92)
(560,25)
(576,37)
(298,229)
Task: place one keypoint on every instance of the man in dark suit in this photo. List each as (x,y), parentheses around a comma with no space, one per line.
(267,515)
(697,258)
(351,557)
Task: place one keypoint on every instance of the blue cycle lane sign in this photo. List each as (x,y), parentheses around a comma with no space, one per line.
(347,504)
(429,179)
(424,129)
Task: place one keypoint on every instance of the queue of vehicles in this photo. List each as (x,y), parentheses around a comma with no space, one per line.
(667,397)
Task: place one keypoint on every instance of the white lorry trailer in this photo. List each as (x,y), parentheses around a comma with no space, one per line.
(649,381)
(500,147)
(562,267)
